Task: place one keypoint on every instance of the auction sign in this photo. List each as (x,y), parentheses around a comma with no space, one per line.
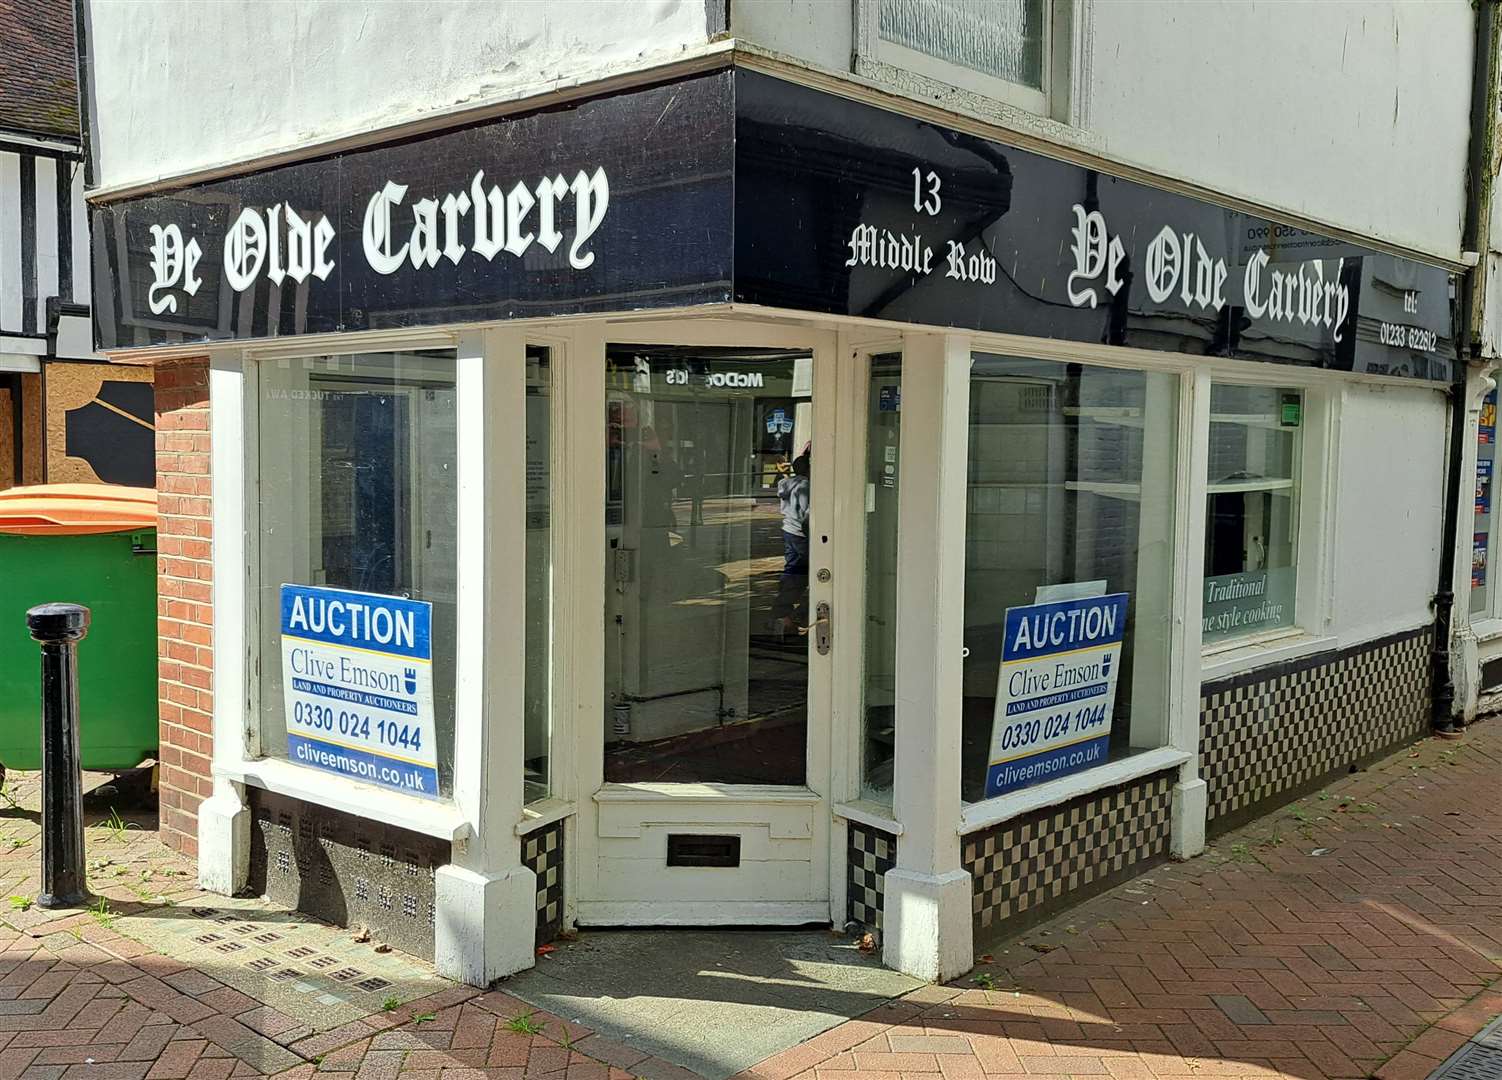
(1057,687)
(357,678)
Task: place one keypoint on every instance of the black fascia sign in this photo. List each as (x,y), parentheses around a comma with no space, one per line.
(738,186)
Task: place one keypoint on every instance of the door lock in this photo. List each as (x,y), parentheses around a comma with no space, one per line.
(824,575)
(823,628)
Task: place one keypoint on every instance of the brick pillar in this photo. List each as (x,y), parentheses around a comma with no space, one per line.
(185,656)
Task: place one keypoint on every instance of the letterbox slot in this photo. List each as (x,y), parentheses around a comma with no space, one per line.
(696,849)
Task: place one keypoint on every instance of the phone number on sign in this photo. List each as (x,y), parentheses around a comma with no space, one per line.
(353,725)
(1027,732)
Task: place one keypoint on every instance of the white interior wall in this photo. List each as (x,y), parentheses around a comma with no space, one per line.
(180,86)
(1385,557)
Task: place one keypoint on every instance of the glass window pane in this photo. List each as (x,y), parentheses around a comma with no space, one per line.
(1481,538)
(1071,498)
(538,682)
(708,533)
(357,491)
(1251,521)
(1003,38)
(883,439)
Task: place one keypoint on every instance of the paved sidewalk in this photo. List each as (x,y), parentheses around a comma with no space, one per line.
(1354,933)
(1351,934)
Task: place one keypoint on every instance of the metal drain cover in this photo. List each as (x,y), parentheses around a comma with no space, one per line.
(1491,1035)
(1473,1061)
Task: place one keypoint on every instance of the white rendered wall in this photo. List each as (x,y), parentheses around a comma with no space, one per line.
(1351,112)
(180,86)
(1385,551)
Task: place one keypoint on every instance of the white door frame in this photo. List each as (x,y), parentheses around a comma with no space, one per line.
(581,595)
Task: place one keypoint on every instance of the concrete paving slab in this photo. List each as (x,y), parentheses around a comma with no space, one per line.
(714,1001)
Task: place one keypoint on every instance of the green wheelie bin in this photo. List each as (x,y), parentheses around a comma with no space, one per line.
(90,544)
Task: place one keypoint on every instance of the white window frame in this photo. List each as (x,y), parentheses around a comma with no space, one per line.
(1067,46)
(1312,628)
(1180,739)
(235,480)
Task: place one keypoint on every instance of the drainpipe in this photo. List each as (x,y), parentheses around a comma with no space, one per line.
(1468,352)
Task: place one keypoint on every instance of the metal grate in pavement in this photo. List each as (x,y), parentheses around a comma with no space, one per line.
(1479,1059)
(1491,1035)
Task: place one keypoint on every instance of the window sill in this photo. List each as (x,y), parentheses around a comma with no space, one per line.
(439,819)
(865,812)
(1233,658)
(543,812)
(1487,630)
(983,815)
(760,793)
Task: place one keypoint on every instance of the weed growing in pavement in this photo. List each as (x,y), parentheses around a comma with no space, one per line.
(424,1018)
(102,914)
(390,1004)
(20,903)
(6,795)
(117,825)
(985,981)
(1240,853)
(525,1025)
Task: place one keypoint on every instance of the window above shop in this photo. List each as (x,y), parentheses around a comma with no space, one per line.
(1011,51)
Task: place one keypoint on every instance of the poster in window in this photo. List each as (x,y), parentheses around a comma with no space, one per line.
(1478,560)
(1483,487)
(1486,428)
(357,672)
(1056,690)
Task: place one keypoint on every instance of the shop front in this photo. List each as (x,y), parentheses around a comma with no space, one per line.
(727,502)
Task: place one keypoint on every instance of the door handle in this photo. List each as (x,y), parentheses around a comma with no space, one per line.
(823,628)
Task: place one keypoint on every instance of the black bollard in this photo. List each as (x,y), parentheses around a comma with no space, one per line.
(60,627)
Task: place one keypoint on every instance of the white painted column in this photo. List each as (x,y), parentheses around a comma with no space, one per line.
(486,899)
(927,929)
(1186,836)
(224,817)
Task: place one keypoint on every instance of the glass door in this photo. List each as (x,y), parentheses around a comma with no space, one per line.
(717,638)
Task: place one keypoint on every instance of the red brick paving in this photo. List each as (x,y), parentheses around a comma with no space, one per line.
(1372,958)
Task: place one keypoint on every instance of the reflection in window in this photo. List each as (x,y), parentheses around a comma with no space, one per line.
(537,680)
(1071,484)
(357,491)
(1251,522)
(1002,38)
(709,534)
(1485,517)
(883,439)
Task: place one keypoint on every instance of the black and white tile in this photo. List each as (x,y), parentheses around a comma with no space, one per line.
(1029,867)
(542,852)
(1268,734)
(871,852)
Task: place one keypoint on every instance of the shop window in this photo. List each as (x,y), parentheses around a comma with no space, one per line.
(538,682)
(1000,49)
(883,439)
(1252,517)
(1068,569)
(356,490)
(1483,528)
(709,517)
